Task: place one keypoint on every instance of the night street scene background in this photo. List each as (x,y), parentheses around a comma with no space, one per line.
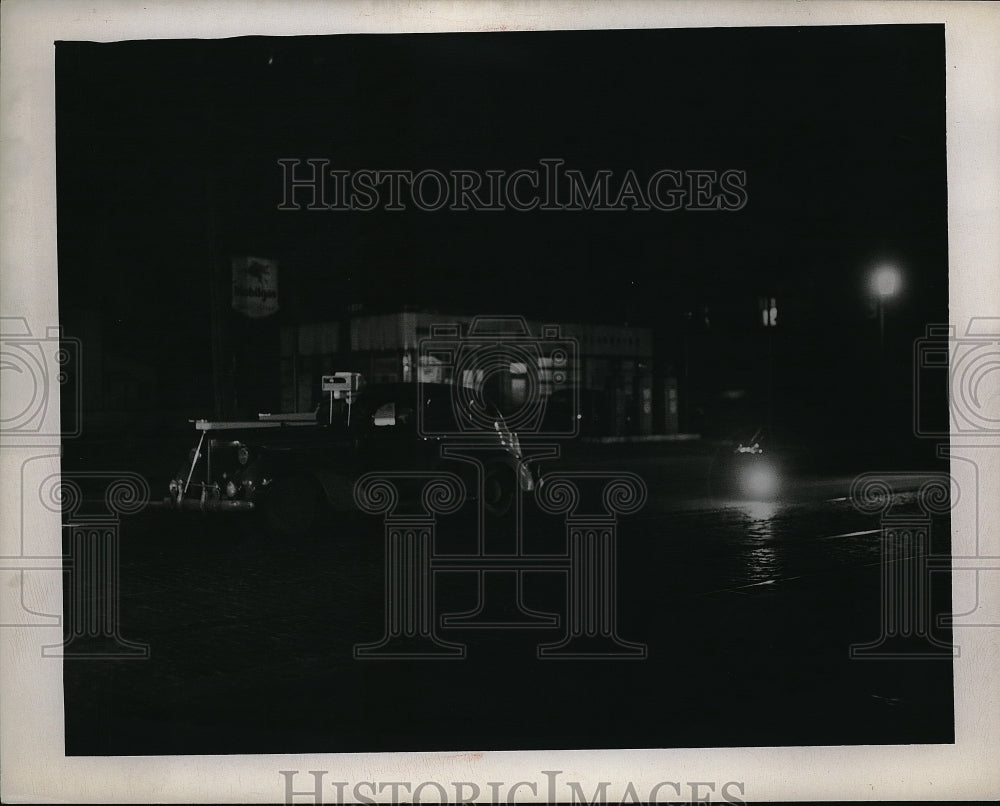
(696,328)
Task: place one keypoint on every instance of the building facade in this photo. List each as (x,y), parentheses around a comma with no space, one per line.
(608,369)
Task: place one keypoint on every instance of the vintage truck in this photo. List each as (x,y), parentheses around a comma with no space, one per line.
(289,469)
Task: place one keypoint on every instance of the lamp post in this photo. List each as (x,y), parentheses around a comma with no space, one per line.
(885,284)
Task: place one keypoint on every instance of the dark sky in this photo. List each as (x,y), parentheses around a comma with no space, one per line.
(167,165)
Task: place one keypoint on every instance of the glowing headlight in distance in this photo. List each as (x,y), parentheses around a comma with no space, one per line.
(760,480)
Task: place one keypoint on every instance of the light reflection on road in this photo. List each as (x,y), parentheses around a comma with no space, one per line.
(760,515)
(763,562)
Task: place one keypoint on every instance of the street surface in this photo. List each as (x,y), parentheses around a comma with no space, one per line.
(747,611)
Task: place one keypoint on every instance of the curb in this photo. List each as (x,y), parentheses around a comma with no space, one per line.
(640,439)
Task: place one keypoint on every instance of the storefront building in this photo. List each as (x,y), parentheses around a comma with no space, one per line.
(609,370)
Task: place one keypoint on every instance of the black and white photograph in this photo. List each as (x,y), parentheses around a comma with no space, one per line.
(507,388)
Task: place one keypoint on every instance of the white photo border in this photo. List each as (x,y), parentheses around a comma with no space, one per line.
(33,765)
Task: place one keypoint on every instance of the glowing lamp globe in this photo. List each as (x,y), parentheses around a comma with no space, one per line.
(885,282)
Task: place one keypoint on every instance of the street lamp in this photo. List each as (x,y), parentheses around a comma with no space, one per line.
(885,283)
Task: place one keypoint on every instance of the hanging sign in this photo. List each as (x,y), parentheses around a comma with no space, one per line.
(255,286)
